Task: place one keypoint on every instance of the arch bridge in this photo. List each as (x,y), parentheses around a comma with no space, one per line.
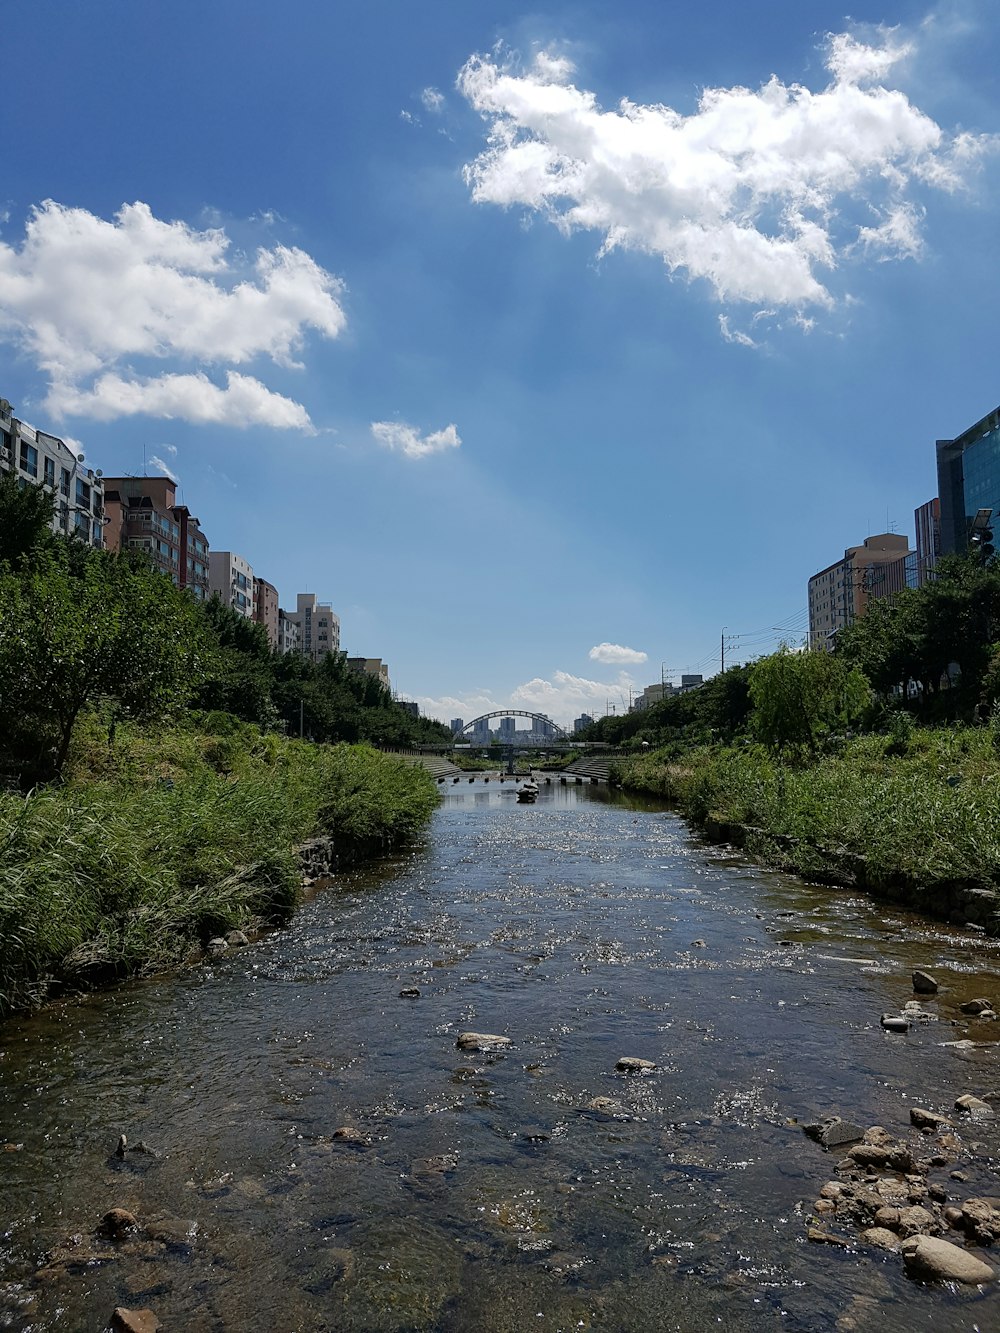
(553,728)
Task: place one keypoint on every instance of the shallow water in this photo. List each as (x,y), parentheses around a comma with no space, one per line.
(489,1196)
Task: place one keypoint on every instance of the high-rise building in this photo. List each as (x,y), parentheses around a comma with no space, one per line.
(288,633)
(968,469)
(143,514)
(839,594)
(265,608)
(456,725)
(584,720)
(928,527)
(409,706)
(481,731)
(41,459)
(507,728)
(318,627)
(231,580)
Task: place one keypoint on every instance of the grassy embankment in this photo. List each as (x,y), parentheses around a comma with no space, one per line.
(144,853)
(917,820)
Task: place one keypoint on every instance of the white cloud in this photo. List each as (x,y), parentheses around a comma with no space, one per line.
(161,466)
(465,706)
(170,449)
(757,192)
(243,402)
(433,100)
(86,297)
(735,335)
(565,696)
(615,653)
(897,234)
(404,439)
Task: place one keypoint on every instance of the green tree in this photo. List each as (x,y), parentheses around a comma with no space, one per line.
(25,521)
(798,697)
(104,629)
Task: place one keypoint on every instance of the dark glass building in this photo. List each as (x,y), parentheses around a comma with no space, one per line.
(968,480)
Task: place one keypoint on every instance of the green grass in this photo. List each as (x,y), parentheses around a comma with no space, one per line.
(928,814)
(147,851)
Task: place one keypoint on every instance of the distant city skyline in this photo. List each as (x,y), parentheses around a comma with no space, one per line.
(554,346)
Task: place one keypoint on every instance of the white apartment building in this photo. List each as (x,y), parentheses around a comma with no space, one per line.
(231,577)
(318,626)
(41,459)
(288,633)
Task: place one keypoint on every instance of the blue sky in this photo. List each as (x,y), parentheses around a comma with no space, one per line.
(535,339)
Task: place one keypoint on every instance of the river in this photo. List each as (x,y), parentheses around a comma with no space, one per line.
(483,1191)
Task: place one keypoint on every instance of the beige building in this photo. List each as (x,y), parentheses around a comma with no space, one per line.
(44,460)
(317,625)
(839,594)
(371,666)
(230,576)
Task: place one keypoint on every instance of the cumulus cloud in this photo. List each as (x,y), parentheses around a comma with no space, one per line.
(156,461)
(466,706)
(615,653)
(404,439)
(759,192)
(243,402)
(86,297)
(566,695)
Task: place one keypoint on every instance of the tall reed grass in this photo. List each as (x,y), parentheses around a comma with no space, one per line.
(153,847)
(927,810)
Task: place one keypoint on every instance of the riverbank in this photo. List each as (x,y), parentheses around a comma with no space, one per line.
(913,819)
(152,848)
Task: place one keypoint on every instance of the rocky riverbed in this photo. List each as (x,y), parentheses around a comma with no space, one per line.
(551,1070)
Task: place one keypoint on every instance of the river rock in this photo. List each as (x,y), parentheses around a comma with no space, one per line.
(916,1221)
(820,1237)
(481,1041)
(976,1006)
(834,1132)
(341,1264)
(632,1064)
(118,1222)
(348,1134)
(973,1106)
(885,1240)
(981,1219)
(410,993)
(897,1156)
(216,946)
(887,1218)
(954,1217)
(236,939)
(604,1106)
(134,1321)
(895,1023)
(924,983)
(936,1260)
(927,1119)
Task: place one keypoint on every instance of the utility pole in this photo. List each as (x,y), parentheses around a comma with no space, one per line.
(723,652)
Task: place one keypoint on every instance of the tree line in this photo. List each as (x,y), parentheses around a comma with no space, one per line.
(929,654)
(85,629)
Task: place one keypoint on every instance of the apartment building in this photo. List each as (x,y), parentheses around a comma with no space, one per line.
(288,633)
(318,627)
(143,514)
(265,608)
(37,458)
(230,577)
(371,666)
(840,594)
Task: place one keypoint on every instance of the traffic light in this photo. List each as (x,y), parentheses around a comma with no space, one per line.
(981,535)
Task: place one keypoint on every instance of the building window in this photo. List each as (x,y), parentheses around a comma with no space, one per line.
(29,459)
(82,493)
(50,472)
